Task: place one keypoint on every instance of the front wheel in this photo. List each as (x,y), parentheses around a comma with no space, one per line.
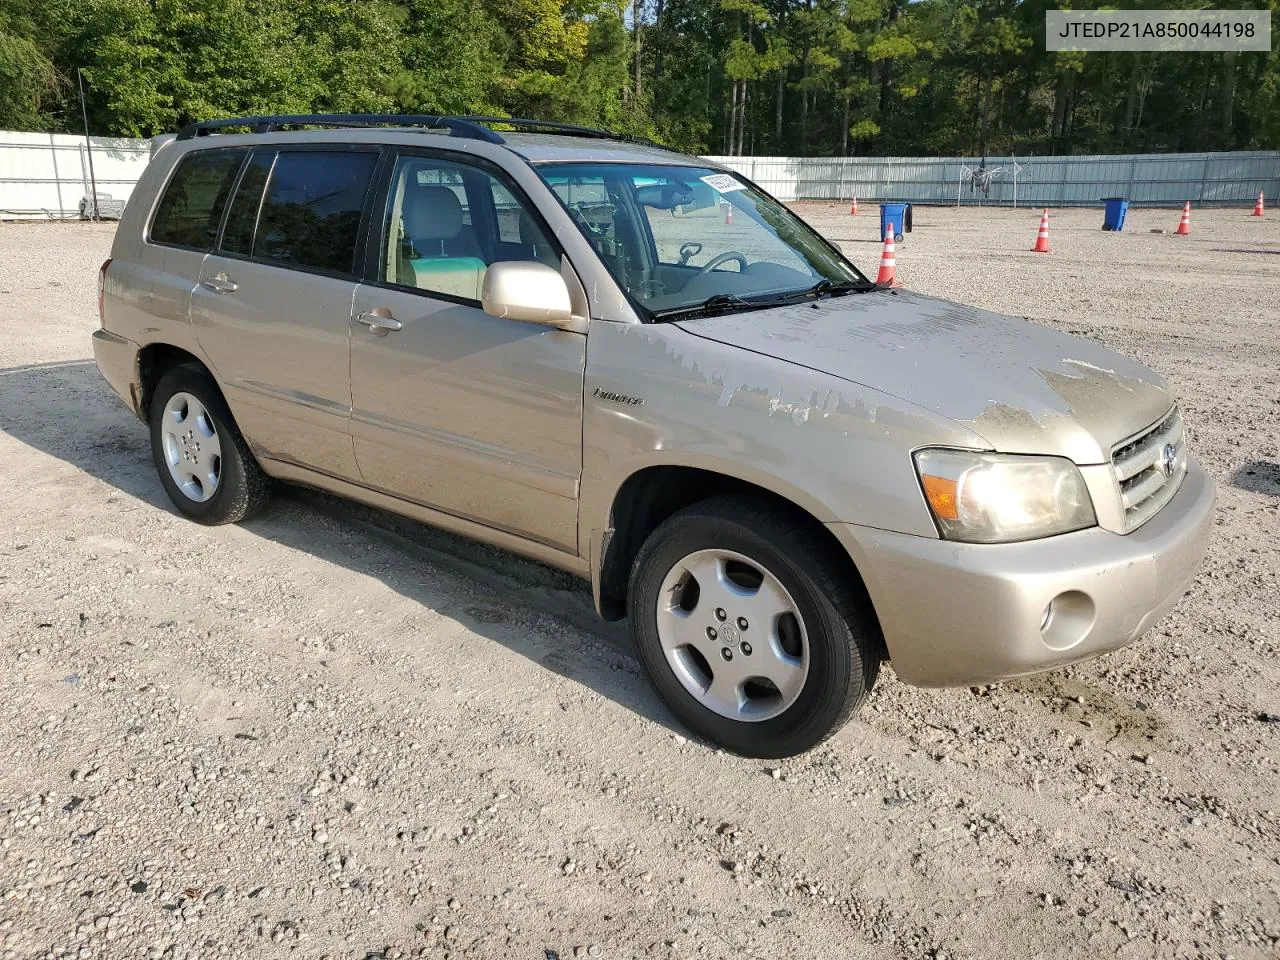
(750,628)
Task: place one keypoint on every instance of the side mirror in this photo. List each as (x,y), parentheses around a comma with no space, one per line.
(526,290)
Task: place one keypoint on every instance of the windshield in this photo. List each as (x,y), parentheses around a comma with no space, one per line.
(693,239)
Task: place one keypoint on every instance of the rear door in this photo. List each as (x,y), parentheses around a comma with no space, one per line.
(478,416)
(160,273)
(272,308)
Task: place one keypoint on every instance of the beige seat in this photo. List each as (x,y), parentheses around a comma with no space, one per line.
(442,255)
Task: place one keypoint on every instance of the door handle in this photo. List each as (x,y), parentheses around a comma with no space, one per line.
(379,319)
(220,284)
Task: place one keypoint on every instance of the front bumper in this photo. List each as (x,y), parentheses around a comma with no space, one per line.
(955,614)
(117,359)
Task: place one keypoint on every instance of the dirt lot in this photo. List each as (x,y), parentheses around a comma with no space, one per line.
(328,732)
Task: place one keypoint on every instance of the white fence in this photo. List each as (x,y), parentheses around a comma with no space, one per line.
(1168,180)
(46,175)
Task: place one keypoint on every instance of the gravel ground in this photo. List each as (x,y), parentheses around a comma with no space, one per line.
(333,733)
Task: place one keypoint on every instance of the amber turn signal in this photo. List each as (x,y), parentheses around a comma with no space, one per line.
(941,494)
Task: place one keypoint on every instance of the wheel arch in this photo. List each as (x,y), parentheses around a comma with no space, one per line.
(154,361)
(652,494)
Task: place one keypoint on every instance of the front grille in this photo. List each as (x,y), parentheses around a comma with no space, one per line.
(1141,466)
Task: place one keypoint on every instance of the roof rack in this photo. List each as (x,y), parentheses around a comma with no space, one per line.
(457,126)
(525,125)
(470,127)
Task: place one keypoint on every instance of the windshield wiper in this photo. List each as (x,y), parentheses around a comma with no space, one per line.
(716,303)
(725,302)
(823,288)
(835,287)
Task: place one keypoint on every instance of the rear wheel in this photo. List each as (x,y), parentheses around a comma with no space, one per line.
(751,630)
(203,461)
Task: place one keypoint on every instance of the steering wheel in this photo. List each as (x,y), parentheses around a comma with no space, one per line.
(689,250)
(723,258)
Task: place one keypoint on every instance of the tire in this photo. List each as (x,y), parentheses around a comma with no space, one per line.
(824,651)
(214,478)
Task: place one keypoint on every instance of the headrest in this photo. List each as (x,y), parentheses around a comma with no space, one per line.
(431,213)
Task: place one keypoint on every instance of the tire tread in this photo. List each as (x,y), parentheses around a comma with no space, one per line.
(249,488)
(791,533)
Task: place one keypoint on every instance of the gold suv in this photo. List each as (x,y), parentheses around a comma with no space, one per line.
(637,366)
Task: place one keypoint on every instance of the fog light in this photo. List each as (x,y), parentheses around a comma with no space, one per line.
(1067,620)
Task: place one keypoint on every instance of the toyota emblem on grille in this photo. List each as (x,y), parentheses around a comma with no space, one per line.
(1169,459)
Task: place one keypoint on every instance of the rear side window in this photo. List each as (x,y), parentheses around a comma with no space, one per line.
(191,209)
(310,214)
(237,236)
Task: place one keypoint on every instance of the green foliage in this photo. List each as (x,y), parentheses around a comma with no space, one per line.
(27,78)
(753,12)
(810,76)
(446,59)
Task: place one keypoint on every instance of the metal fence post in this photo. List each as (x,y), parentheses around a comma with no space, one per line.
(88,144)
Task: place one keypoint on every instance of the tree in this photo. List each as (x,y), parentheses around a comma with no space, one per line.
(449,58)
(737,76)
(28,80)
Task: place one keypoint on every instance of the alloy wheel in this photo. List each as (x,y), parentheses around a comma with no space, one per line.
(733,635)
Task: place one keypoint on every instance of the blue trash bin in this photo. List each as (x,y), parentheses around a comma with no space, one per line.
(1113,218)
(899,214)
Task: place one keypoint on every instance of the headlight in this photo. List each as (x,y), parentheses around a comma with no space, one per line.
(999,498)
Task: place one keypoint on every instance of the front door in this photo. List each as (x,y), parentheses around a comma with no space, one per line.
(474,415)
(272,308)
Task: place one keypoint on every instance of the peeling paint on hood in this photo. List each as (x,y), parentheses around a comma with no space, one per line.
(1020,386)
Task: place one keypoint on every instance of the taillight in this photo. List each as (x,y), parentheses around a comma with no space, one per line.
(102,289)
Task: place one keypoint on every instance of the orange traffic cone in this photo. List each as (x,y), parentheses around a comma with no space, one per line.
(888,275)
(1042,237)
(1184,225)
(853,210)
(1257,207)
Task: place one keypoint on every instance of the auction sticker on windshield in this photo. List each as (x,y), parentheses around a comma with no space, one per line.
(722,182)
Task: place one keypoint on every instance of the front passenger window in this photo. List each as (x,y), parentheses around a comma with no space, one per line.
(448,222)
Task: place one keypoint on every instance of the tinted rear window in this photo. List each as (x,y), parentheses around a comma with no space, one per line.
(243,217)
(190,210)
(311,212)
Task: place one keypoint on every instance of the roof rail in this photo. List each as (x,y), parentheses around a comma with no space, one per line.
(525,125)
(457,126)
(473,128)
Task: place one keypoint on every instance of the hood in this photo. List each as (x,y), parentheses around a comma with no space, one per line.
(1021,387)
